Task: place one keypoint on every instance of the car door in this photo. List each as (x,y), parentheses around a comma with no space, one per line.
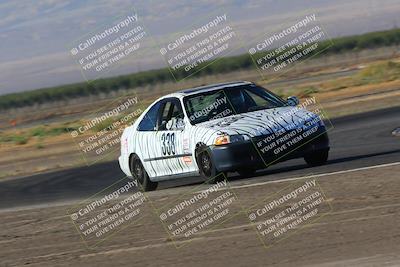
(145,145)
(172,140)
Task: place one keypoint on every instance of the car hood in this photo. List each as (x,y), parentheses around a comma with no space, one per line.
(261,122)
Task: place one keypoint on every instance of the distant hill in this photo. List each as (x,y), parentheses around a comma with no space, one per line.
(223,65)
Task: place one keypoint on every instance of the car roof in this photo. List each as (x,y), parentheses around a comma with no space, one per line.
(206,88)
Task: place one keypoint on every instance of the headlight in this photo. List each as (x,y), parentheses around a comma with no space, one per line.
(227,139)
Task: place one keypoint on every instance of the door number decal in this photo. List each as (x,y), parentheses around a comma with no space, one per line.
(168,144)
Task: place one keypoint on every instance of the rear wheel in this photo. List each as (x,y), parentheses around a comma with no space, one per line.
(317,158)
(140,174)
(207,167)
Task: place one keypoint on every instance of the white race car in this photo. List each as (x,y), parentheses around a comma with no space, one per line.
(209,130)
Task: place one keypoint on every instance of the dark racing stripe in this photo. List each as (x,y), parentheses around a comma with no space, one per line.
(168,157)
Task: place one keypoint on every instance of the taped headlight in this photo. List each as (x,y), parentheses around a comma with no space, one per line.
(228,139)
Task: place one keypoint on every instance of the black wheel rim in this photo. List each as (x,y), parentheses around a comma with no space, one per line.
(139,172)
(206,164)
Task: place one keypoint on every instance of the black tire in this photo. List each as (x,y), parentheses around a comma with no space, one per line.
(140,174)
(207,167)
(246,172)
(317,158)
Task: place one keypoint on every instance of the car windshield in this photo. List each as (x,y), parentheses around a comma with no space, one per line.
(228,101)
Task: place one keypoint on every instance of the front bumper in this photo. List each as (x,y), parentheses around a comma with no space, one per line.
(246,155)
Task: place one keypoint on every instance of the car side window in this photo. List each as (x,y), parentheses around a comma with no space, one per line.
(171,115)
(165,114)
(149,121)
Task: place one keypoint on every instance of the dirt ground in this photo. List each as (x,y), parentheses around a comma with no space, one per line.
(361,229)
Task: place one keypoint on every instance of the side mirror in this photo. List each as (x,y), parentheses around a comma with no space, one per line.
(292,101)
(175,125)
(180,124)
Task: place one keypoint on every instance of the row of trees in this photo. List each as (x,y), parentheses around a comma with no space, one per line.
(224,65)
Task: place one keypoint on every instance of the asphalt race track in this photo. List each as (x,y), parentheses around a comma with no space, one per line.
(356,141)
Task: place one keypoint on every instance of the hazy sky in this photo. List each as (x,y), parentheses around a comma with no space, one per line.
(36,35)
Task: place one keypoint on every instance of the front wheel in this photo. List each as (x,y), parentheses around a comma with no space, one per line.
(317,158)
(207,167)
(140,174)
